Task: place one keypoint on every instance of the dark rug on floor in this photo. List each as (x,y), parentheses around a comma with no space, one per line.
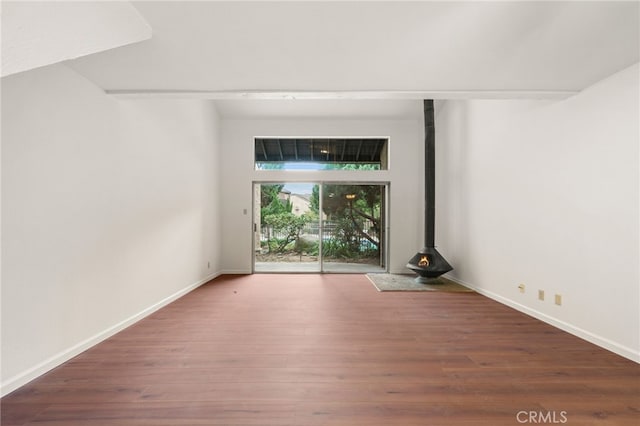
(400,282)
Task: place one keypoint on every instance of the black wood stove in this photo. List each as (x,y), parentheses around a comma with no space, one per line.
(428,263)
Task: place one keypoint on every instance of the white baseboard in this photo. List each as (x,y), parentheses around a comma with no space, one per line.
(25,377)
(569,328)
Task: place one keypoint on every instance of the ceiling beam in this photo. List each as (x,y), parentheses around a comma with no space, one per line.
(361,94)
(375,150)
(264,150)
(280,149)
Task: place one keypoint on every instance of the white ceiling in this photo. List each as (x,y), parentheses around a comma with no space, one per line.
(366,59)
(443,47)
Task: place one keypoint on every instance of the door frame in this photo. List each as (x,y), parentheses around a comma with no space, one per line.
(384,214)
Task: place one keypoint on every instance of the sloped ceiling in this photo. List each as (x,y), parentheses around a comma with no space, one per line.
(36,34)
(403,48)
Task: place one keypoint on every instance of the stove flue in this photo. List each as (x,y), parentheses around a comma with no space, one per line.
(428,263)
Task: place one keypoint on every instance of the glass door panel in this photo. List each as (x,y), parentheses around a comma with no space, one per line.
(353,227)
(286,228)
(309,227)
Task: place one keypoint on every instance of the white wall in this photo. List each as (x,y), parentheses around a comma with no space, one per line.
(406,160)
(109,210)
(546,194)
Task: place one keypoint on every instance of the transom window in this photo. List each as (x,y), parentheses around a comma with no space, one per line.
(321,153)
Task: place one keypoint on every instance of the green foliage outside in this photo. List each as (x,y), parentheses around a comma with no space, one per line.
(270,202)
(286,224)
(280,165)
(350,207)
(353,212)
(277,215)
(352,166)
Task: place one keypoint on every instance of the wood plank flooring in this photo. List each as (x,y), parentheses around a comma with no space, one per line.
(330,350)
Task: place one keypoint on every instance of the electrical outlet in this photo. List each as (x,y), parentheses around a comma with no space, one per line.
(558,299)
(541,294)
(208,265)
(521,287)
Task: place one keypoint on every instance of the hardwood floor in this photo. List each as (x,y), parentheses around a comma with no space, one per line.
(331,350)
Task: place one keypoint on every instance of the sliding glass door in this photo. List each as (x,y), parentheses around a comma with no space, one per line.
(319,227)
(286,228)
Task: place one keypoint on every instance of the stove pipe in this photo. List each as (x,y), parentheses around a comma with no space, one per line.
(428,263)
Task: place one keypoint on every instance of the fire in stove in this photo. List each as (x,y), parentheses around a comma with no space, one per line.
(428,264)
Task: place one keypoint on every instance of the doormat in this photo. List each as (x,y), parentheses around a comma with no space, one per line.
(401,282)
